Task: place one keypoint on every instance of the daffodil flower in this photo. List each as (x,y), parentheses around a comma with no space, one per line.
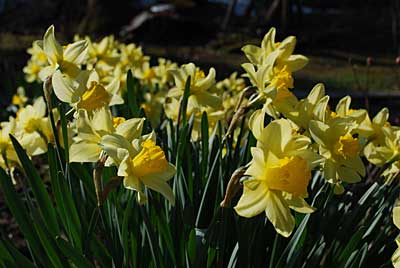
(36,63)
(33,128)
(260,77)
(271,67)
(103,52)
(141,163)
(7,152)
(86,91)
(340,149)
(213,115)
(66,60)
(200,85)
(280,172)
(382,145)
(91,128)
(164,77)
(275,54)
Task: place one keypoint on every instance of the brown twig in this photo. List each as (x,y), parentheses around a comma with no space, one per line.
(111,185)
(233,187)
(97,178)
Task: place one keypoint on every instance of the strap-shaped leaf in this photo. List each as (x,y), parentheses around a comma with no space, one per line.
(22,217)
(45,205)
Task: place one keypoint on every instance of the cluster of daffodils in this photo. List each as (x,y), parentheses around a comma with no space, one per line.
(295,137)
(31,127)
(89,77)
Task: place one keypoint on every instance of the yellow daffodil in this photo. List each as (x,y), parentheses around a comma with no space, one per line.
(275,54)
(86,92)
(164,77)
(33,128)
(153,107)
(141,163)
(19,99)
(200,86)
(213,115)
(260,77)
(103,52)
(146,75)
(66,60)
(231,84)
(271,67)
(364,127)
(7,152)
(36,63)
(340,149)
(381,148)
(132,56)
(280,172)
(91,128)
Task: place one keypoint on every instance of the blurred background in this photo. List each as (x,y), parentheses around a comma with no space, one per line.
(352,44)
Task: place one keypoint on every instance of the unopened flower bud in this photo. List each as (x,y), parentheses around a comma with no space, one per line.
(398,60)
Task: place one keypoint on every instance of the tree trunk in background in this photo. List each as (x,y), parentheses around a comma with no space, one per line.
(89,18)
(271,10)
(396,25)
(229,12)
(249,8)
(299,11)
(284,16)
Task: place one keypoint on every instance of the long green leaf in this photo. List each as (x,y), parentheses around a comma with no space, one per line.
(42,197)
(132,85)
(71,253)
(19,211)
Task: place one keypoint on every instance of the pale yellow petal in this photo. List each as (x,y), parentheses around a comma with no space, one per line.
(296,62)
(102,121)
(208,81)
(253,53)
(343,106)
(287,46)
(348,175)
(46,72)
(51,46)
(278,212)
(76,52)
(64,87)
(381,117)
(132,183)
(298,204)
(318,131)
(257,164)
(131,129)
(115,145)
(320,109)
(253,200)
(159,186)
(316,94)
(84,151)
(396,216)
(256,123)
(208,99)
